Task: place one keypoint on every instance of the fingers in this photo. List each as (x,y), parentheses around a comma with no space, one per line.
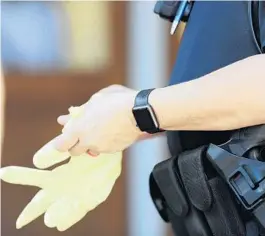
(24,176)
(64,213)
(62,120)
(74,212)
(66,141)
(71,130)
(48,156)
(74,112)
(56,211)
(79,149)
(36,207)
(69,138)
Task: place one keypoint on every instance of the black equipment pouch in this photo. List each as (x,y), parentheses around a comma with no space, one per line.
(215,190)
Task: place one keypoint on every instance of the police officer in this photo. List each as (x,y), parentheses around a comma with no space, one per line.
(217,86)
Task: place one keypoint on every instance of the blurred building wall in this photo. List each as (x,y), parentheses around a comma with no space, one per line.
(57,54)
(90,33)
(31,35)
(40,87)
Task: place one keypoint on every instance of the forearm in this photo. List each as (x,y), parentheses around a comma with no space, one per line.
(232,97)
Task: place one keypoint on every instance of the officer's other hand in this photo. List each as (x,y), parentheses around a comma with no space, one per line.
(106,124)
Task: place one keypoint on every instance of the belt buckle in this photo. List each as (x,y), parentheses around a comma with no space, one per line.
(245,177)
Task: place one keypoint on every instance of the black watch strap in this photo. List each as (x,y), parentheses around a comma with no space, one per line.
(141,100)
(142,97)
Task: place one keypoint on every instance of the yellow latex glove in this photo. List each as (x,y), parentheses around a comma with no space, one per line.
(48,156)
(68,192)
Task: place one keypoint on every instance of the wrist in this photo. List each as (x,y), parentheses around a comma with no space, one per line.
(132,120)
(144,115)
(156,101)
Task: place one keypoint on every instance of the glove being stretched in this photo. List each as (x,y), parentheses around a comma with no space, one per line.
(68,192)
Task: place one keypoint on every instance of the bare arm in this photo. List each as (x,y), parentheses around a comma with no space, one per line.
(232,97)
(229,98)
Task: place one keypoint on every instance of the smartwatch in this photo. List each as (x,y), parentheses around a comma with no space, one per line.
(144,114)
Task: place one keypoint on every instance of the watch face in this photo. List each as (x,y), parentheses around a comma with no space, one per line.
(145,118)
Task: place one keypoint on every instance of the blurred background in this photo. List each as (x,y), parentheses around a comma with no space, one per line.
(57,54)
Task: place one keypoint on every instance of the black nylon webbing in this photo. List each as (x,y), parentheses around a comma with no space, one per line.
(211,196)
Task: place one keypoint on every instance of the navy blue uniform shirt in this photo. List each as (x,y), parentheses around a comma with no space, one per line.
(217,34)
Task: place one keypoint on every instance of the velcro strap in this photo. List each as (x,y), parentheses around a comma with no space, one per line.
(223,217)
(170,187)
(211,196)
(191,169)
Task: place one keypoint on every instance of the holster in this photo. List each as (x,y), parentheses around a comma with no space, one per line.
(214,190)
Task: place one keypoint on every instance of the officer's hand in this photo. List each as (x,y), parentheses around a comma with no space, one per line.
(105,125)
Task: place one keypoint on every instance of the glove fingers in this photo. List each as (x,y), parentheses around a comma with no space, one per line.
(70,210)
(73,213)
(48,156)
(65,213)
(57,212)
(36,207)
(23,176)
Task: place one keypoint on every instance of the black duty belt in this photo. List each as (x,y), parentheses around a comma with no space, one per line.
(216,189)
